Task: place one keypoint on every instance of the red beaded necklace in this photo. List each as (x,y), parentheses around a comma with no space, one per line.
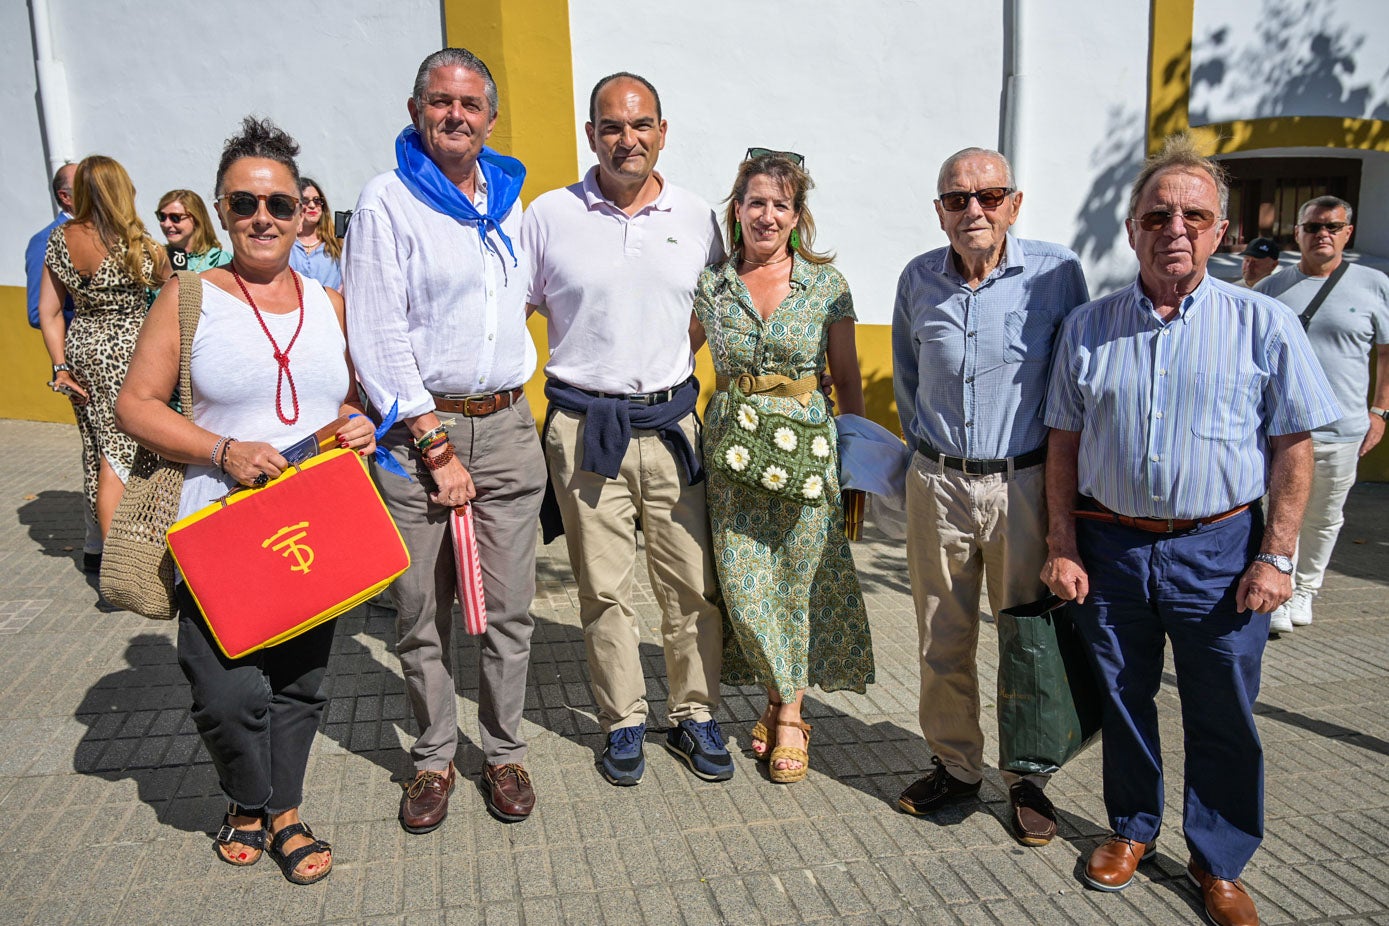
(281,356)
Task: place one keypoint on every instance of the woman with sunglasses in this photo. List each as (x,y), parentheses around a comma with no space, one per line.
(107,262)
(269,366)
(317,251)
(184,222)
(777,310)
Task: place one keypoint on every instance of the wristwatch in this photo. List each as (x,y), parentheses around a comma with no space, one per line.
(1277,560)
(1381,412)
(61,368)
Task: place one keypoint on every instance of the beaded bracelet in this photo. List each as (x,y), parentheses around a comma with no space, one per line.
(434,442)
(222,463)
(427,437)
(216,449)
(439,460)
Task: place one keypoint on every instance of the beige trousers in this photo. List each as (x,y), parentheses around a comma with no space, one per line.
(962,531)
(599,527)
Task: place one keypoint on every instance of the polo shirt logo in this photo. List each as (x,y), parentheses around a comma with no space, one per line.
(671,241)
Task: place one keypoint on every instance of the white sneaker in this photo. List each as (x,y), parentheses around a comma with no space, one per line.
(1300,608)
(1280,621)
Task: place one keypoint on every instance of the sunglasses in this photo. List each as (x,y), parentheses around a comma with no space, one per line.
(1314,228)
(1197,220)
(793,157)
(279,205)
(174,217)
(318,201)
(989,198)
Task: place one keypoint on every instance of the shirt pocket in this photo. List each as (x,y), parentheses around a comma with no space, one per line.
(1027,336)
(1225,406)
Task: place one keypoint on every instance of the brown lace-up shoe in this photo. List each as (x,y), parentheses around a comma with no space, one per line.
(1034,817)
(425,802)
(936,790)
(1227,902)
(508,792)
(1114,861)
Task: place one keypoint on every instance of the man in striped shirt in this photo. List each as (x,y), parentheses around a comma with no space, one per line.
(1174,404)
(971,340)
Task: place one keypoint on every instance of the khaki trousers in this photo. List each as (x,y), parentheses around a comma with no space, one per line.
(599,527)
(501,452)
(962,531)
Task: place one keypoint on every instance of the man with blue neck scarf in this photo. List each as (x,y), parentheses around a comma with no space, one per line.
(615,258)
(437,288)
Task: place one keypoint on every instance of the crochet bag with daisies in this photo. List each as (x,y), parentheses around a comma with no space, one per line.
(774,453)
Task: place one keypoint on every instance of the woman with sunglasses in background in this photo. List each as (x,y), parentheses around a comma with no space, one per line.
(317,252)
(184,222)
(107,262)
(269,366)
(774,312)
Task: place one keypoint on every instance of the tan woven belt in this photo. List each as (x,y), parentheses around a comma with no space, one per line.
(772,384)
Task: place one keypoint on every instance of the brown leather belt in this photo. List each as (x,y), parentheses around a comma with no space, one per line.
(475,406)
(1155,525)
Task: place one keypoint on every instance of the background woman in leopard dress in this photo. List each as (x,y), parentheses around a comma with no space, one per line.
(108,263)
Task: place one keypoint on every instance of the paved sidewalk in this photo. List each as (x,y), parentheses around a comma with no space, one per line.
(108,798)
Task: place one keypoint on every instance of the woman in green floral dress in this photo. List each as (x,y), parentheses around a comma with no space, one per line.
(777,310)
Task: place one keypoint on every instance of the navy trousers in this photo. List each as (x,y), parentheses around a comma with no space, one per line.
(1144,590)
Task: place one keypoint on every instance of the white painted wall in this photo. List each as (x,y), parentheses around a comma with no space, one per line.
(159,85)
(876,96)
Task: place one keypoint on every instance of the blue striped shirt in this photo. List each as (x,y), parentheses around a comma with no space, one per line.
(970,366)
(1175,416)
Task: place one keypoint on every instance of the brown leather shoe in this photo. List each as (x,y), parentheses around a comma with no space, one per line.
(1227,902)
(508,792)
(425,802)
(1114,861)
(1034,817)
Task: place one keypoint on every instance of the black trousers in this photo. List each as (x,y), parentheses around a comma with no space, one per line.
(257,715)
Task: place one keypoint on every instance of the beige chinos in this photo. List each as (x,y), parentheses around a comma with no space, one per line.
(599,515)
(962,531)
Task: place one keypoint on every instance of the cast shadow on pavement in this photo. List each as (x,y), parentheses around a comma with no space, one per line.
(54,521)
(139,728)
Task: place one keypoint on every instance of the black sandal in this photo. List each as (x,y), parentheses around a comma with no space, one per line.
(289,863)
(228,834)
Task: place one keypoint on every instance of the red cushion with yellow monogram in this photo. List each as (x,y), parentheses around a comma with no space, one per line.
(268,564)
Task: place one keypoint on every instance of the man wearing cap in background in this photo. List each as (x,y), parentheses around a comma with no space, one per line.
(1260,260)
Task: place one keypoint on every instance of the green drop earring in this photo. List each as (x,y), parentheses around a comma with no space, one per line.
(795,239)
(737,232)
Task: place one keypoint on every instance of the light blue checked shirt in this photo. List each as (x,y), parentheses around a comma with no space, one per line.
(970,366)
(1175,416)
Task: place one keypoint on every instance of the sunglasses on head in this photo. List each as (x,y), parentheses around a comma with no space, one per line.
(793,157)
(318,201)
(279,205)
(1314,228)
(1195,219)
(174,217)
(989,198)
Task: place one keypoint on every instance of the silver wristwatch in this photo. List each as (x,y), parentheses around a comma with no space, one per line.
(1381,412)
(1277,560)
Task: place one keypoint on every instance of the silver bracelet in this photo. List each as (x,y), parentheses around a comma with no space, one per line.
(217,449)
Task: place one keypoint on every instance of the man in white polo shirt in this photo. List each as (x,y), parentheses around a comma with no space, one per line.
(615,259)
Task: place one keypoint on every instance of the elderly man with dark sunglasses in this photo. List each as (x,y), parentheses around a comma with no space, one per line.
(972,337)
(1175,405)
(1351,322)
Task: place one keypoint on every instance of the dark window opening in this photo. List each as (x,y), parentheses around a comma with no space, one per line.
(1265,194)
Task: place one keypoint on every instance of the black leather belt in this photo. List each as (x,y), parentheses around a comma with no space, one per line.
(476,406)
(639,398)
(983,467)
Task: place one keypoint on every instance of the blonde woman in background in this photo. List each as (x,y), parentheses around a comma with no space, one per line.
(106,261)
(318,251)
(186,226)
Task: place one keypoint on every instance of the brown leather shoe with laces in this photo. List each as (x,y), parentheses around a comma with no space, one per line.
(1114,861)
(1034,817)
(425,802)
(1227,902)
(508,792)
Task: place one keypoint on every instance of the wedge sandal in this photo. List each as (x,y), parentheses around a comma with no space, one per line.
(786,776)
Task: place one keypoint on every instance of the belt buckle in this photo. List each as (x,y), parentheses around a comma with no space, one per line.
(1171,525)
(965,467)
(483,406)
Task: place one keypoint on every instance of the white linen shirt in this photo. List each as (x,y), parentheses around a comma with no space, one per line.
(618,290)
(430,307)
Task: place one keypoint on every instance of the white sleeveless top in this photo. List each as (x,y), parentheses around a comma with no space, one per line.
(233,370)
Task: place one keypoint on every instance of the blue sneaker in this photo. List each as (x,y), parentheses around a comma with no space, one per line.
(623,762)
(700,746)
